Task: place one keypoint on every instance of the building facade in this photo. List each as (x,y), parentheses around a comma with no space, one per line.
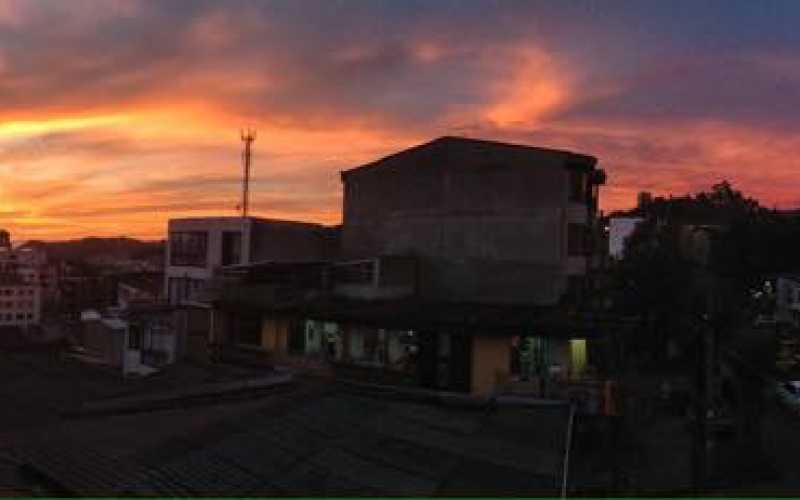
(21,284)
(487,221)
(459,270)
(198,246)
(619,230)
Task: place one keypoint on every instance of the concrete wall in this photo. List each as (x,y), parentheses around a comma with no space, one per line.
(289,241)
(491,362)
(620,228)
(192,326)
(96,339)
(469,212)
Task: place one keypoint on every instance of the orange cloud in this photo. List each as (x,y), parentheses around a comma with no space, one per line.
(537,87)
(116,115)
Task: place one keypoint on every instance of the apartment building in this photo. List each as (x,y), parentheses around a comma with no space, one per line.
(20,285)
(457,257)
(488,221)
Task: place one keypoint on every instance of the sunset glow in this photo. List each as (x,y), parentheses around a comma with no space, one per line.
(115,116)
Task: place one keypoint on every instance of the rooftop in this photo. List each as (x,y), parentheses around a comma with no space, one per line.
(235,219)
(448,143)
(308,440)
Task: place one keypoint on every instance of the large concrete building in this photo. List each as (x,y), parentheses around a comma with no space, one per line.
(487,221)
(455,255)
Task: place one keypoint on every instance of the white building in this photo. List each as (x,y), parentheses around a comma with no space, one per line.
(198,246)
(20,303)
(620,228)
(786,293)
(136,341)
(20,285)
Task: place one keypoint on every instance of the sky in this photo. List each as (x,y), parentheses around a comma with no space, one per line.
(116,115)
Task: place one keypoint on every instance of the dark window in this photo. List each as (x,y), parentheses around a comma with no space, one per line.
(577,185)
(362,272)
(188,248)
(247,330)
(297,338)
(181,289)
(576,289)
(231,248)
(577,239)
(134,337)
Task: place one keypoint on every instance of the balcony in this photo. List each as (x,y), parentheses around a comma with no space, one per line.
(380,278)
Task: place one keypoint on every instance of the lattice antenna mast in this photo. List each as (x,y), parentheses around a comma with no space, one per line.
(248,136)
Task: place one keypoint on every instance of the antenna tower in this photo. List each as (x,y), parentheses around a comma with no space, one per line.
(248,136)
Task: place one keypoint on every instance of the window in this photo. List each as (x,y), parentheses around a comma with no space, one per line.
(297,338)
(231,248)
(181,289)
(188,248)
(247,329)
(359,272)
(134,337)
(30,316)
(577,185)
(576,289)
(577,239)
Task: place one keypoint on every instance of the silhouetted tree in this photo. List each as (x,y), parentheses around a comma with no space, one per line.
(669,289)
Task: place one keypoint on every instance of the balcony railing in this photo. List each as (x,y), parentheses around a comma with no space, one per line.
(373,279)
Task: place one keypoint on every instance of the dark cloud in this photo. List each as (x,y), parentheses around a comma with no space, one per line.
(746,89)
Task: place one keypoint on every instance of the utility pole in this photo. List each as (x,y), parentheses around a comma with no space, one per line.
(701,406)
(248,137)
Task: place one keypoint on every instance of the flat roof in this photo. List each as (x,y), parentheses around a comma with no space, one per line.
(233,219)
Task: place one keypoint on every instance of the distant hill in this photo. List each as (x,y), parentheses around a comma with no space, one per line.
(92,248)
